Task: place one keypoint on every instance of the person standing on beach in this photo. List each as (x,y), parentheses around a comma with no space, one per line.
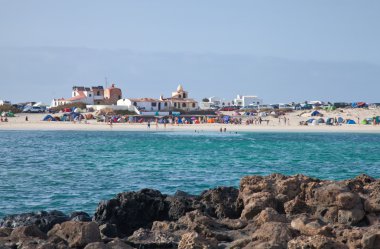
(26,119)
(148,124)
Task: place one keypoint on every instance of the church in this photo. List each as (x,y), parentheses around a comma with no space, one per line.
(180,100)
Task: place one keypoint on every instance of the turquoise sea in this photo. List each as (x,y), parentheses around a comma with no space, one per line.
(68,170)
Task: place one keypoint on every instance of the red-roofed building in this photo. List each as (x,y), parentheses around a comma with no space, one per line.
(95,95)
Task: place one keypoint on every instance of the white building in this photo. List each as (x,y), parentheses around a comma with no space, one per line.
(146,104)
(247,101)
(178,101)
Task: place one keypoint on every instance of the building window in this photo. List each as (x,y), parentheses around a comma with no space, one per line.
(166,104)
(119,96)
(184,95)
(98,93)
(135,103)
(193,105)
(89,95)
(154,104)
(184,105)
(175,104)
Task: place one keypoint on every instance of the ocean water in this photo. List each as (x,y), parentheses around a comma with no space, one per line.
(69,171)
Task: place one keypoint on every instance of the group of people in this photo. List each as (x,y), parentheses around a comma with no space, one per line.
(5,119)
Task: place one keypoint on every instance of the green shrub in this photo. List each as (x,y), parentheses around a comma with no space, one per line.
(7,108)
(79,105)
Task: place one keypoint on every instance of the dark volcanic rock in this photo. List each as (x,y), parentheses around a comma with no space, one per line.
(43,220)
(76,234)
(133,210)
(221,202)
(80,216)
(275,211)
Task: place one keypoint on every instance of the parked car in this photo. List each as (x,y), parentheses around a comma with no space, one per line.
(33,109)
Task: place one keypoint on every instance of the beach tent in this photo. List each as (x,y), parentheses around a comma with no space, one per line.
(315,122)
(350,121)
(329,121)
(311,120)
(340,120)
(321,121)
(78,110)
(226,119)
(364,122)
(67,110)
(315,113)
(49,118)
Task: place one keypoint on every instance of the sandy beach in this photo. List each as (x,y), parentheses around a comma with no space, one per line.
(274,125)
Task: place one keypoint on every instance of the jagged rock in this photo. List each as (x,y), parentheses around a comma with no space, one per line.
(263,245)
(108,231)
(144,238)
(307,226)
(269,215)
(5,231)
(350,217)
(96,245)
(43,220)
(179,206)
(194,240)
(276,232)
(372,219)
(27,232)
(133,210)
(371,240)
(221,202)
(77,234)
(348,200)
(326,194)
(350,236)
(118,244)
(327,214)
(372,205)
(80,216)
(296,206)
(315,242)
(256,203)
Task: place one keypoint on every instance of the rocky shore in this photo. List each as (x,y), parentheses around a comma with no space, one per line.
(275,212)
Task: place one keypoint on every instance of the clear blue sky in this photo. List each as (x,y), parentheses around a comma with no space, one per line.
(280,50)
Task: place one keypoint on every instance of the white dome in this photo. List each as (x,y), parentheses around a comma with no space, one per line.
(179,88)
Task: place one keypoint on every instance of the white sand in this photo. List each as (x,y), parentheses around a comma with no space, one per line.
(35,123)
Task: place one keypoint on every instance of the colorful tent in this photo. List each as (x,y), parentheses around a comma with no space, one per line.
(48,118)
(350,121)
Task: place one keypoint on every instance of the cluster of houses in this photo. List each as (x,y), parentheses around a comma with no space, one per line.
(179,100)
(98,97)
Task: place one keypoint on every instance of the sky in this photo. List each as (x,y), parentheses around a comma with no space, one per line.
(281,51)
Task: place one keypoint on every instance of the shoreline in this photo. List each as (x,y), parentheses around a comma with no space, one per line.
(35,123)
(51,126)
